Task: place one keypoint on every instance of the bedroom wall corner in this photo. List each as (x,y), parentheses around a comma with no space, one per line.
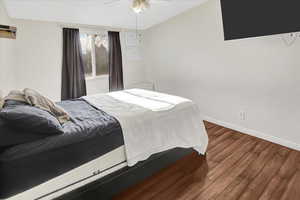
(187,56)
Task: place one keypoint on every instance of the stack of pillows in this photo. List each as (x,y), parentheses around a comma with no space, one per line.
(26,116)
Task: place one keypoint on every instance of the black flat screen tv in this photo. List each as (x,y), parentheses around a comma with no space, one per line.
(253,18)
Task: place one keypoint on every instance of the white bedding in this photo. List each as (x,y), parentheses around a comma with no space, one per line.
(153,122)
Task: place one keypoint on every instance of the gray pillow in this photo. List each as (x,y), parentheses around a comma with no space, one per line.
(25,117)
(11,136)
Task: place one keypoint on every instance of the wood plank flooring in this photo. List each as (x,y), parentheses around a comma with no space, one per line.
(237,166)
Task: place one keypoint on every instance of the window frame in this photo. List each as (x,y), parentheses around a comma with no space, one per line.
(94,32)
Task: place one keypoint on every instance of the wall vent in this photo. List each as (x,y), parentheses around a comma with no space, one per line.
(8,32)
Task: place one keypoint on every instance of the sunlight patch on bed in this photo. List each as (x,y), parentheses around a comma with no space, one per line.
(150,100)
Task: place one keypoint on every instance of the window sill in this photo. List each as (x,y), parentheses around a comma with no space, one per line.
(96,77)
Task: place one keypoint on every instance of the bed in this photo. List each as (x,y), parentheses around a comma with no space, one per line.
(95,144)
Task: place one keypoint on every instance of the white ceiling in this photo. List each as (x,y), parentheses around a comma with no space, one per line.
(98,12)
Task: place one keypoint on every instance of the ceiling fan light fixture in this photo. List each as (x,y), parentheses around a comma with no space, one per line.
(139,6)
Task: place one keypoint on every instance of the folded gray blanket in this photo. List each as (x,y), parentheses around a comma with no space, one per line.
(1,99)
(34,98)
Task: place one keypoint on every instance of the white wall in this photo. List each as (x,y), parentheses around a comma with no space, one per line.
(39,60)
(187,56)
(38,52)
(7,56)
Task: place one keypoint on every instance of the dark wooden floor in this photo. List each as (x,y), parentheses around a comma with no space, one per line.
(237,166)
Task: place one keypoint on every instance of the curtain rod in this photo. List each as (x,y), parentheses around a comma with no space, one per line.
(91,27)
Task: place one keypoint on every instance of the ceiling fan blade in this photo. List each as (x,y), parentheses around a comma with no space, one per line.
(109,2)
(171,1)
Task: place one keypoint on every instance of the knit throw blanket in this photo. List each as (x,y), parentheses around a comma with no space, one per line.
(34,98)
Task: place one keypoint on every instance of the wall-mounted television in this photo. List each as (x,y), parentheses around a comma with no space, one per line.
(253,18)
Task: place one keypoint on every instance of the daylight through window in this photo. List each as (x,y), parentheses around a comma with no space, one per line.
(95,54)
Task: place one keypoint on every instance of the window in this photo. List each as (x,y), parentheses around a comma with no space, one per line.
(95,54)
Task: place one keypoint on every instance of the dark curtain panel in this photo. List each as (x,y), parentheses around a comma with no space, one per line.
(73,76)
(115,62)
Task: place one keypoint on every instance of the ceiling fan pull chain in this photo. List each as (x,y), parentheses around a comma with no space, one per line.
(136,25)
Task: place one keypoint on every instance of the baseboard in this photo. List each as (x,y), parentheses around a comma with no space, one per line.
(255,133)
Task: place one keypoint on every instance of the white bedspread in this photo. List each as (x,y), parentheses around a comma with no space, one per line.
(153,122)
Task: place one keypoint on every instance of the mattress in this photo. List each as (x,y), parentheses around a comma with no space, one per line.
(91,134)
(76,178)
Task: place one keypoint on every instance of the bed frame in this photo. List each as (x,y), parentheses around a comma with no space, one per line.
(90,181)
(127,179)
(78,177)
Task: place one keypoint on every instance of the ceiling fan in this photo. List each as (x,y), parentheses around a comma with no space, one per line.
(139,6)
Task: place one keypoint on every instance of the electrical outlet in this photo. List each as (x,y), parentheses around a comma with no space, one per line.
(242,115)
